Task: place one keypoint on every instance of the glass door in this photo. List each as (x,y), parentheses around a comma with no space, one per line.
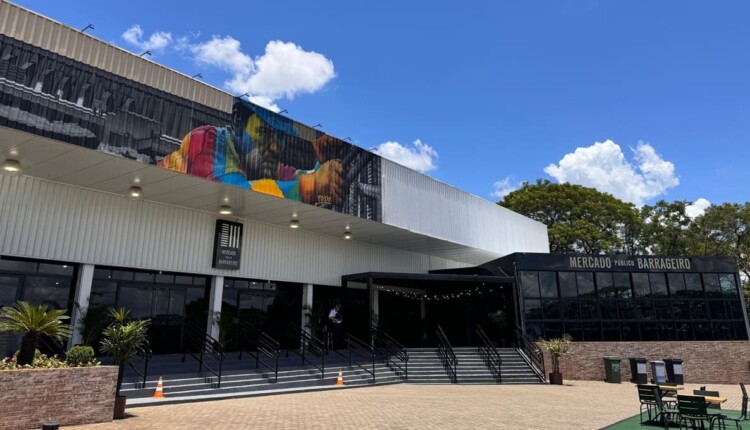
(10,290)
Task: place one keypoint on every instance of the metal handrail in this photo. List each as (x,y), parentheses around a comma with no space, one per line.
(356,345)
(264,345)
(531,353)
(198,339)
(393,349)
(446,355)
(308,343)
(489,354)
(145,355)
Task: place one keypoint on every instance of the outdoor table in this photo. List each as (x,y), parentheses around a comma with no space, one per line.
(712,399)
(671,387)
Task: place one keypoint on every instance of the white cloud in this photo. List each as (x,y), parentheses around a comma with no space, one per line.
(283,71)
(419,156)
(502,188)
(603,166)
(156,42)
(697,208)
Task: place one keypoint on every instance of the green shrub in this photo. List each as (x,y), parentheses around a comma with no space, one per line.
(39,362)
(79,356)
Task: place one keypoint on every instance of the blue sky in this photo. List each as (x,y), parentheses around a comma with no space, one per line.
(493,93)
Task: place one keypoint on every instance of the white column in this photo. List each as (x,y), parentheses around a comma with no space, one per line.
(307,305)
(81,299)
(214,305)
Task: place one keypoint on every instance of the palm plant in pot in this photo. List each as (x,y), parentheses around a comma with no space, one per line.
(33,322)
(556,347)
(123,339)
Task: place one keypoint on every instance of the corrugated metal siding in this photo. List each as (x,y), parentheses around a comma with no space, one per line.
(45,33)
(48,220)
(423,205)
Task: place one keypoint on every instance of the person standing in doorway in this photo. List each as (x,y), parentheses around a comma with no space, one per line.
(337,330)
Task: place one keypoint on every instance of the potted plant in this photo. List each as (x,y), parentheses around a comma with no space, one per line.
(34,323)
(556,347)
(123,340)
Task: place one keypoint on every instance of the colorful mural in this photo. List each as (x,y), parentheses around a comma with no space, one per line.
(272,154)
(49,95)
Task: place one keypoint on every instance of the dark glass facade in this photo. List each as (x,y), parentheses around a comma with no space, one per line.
(629,298)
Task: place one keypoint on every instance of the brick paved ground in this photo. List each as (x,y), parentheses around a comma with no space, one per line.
(576,405)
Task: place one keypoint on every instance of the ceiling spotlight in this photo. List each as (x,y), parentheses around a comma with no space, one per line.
(294,223)
(12,167)
(135,192)
(347,235)
(225,210)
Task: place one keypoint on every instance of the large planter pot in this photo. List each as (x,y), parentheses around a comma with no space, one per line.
(555,378)
(120,407)
(68,396)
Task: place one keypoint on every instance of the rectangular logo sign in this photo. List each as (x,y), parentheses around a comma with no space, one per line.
(227,245)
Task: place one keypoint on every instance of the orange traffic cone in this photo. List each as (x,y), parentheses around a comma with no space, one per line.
(159,393)
(340,381)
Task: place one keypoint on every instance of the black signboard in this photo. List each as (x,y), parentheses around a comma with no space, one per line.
(622,263)
(227,245)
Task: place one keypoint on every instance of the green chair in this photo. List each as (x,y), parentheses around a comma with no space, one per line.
(745,402)
(694,414)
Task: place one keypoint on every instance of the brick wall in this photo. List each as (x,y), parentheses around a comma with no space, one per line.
(703,362)
(67,396)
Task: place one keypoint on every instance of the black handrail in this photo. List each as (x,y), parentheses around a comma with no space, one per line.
(447,356)
(489,354)
(531,353)
(145,355)
(257,343)
(393,349)
(198,343)
(308,343)
(357,346)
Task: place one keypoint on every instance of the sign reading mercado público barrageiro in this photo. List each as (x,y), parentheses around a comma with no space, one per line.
(227,245)
(626,263)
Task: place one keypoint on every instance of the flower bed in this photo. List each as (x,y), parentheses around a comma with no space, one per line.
(65,395)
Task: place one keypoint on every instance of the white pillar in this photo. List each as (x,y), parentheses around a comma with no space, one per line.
(307,306)
(214,305)
(81,299)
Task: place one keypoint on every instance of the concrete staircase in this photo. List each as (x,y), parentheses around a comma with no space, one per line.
(183,382)
(425,367)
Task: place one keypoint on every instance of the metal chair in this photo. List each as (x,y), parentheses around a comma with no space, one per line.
(647,396)
(693,411)
(666,412)
(745,402)
(708,393)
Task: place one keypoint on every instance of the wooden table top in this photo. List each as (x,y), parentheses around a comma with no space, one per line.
(711,399)
(671,387)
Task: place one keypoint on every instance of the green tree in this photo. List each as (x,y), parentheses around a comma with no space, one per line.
(665,228)
(724,230)
(123,340)
(579,219)
(34,323)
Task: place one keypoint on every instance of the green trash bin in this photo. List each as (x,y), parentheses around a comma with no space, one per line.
(612,369)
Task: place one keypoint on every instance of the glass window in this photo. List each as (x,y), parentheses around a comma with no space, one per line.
(658,284)
(184,280)
(717,310)
(622,285)
(241,284)
(641,286)
(734,308)
(56,269)
(649,332)
(102,273)
(567,284)
(551,309)
(534,329)
(103,293)
(645,309)
(693,285)
(681,309)
(164,279)
(608,309)
(604,285)
(592,332)
(552,330)
(711,285)
(588,310)
(665,331)
(698,309)
(722,330)
(532,309)
(585,284)
(611,332)
(530,284)
(200,281)
(684,331)
(676,284)
(137,299)
(122,275)
(548,284)
(728,286)
(574,329)
(740,332)
(9,287)
(144,277)
(626,309)
(663,309)
(17,266)
(702,330)
(53,292)
(629,331)
(569,309)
